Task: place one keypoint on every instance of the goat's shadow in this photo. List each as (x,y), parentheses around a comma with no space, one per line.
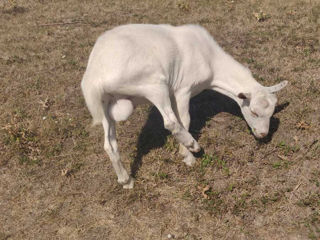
(202,108)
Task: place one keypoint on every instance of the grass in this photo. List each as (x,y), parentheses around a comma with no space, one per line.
(287,148)
(56,180)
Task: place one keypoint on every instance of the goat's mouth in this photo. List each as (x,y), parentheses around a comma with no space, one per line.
(259,135)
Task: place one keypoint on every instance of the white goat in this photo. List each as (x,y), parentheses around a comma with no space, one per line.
(167,65)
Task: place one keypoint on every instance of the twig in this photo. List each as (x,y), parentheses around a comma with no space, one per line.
(66,155)
(296,187)
(269,153)
(303,154)
(61,23)
(282,157)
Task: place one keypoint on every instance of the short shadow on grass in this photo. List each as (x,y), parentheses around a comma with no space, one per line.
(202,108)
(15,10)
(274,123)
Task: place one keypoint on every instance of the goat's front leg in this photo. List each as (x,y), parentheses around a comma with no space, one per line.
(111,147)
(159,96)
(181,108)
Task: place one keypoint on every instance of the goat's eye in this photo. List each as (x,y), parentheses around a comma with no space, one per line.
(254,114)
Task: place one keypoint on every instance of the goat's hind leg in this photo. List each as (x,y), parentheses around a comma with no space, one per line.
(111,147)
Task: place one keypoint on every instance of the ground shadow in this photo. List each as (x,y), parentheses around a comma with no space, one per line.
(202,108)
(274,123)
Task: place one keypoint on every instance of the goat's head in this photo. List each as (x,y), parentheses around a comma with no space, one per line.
(257,108)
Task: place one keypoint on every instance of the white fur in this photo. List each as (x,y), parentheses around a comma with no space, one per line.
(161,64)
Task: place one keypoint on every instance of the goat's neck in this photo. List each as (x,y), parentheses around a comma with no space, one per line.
(231,78)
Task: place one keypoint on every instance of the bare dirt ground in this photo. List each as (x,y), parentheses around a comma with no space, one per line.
(56,181)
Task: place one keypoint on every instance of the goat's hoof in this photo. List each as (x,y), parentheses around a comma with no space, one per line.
(124,179)
(189,160)
(129,184)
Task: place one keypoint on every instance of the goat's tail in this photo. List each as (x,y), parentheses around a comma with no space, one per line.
(100,103)
(95,101)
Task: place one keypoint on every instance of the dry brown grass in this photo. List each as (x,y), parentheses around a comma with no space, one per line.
(55,179)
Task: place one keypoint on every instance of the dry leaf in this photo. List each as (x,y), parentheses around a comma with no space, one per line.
(184,6)
(45,104)
(261,16)
(204,190)
(65,172)
(303,125)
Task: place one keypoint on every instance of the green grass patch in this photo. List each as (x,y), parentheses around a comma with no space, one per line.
(208,160)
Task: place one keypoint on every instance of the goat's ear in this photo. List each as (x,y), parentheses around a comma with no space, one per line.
(244,96)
